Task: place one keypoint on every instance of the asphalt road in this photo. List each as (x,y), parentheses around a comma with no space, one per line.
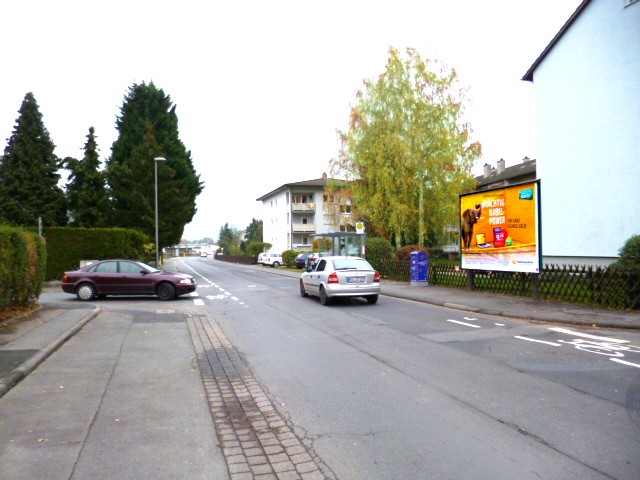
(404,390)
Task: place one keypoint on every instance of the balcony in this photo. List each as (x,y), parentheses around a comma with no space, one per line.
(303,207)
(303,227)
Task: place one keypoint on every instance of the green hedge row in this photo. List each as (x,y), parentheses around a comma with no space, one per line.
(23,259)
(67,246)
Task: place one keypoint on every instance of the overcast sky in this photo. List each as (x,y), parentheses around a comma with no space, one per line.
(262,86)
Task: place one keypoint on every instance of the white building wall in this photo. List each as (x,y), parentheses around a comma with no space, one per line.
(274,221)
(588,135)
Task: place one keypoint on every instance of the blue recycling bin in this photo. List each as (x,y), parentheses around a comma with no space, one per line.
(419,268)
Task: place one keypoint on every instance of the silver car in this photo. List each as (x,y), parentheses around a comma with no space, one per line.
(332,277)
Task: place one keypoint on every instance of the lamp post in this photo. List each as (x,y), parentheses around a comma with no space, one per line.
(155,176)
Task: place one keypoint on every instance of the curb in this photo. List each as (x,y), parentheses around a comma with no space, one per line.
(11,379)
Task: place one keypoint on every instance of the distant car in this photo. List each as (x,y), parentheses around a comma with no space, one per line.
(273,259)
(125,277)
(312,258)
(301,260)
(336,276)
(203,254)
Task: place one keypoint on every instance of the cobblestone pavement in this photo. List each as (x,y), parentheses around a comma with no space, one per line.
(257,442)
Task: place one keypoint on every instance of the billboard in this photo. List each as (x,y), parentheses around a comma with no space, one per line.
(500,229)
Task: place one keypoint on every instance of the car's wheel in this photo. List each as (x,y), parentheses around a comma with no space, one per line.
(276,264)
(85,292)
(372,299)
(303,292)
(166,291)
(324,298)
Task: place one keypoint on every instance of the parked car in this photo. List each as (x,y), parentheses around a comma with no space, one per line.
(337,276)
(301,260)
(273,259)
(125,277)
(261,257)
(203,254)
(312,258)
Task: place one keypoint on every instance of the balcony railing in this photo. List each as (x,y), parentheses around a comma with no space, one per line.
(303,207)
(303,227)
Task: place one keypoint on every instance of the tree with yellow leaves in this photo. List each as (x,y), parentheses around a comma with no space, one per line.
(407,154)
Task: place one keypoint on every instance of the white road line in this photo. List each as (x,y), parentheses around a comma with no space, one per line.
(235,298)
(586,335)
(194,294)
(198,301)
(470,319)
(499,324)
(617,360)
(538,341)
(465,324)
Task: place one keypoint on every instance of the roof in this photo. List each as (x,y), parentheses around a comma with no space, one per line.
(509,173)
(529,75)
(317,183)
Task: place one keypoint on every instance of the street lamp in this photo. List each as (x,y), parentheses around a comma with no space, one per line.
(155,176)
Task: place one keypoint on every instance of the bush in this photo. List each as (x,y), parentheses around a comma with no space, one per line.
(378,248)
(256,248)
(67,246)
(289,257)
(404,253)
(22,265)
(630,253)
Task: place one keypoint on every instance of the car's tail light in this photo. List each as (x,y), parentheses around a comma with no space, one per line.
(65,278)
(376,277)
(333,278)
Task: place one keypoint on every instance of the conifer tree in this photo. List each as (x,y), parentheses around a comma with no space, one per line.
(148,128)
(29,173)
(86,191)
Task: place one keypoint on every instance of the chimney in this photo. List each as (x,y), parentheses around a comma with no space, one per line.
(487,170)
(525,159)
(500,166)
(324,175)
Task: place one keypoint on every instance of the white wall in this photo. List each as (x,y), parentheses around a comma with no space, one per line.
(587,94)
(274,221)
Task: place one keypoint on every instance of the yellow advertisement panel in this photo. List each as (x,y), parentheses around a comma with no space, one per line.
(499,229)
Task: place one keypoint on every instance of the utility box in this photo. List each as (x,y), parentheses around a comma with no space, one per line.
(419,268)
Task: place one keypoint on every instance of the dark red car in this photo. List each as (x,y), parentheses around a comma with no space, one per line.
(125,277)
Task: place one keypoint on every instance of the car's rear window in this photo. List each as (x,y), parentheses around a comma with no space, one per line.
(351,264)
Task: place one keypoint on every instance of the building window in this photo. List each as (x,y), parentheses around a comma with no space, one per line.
(287,198)
(299,199)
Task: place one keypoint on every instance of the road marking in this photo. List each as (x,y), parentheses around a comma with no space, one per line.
(194,294)
(623,362)
(499,324)
(470,319)
(538,341)
(198,301)
(235,299)
(465,324)
(586,335)
(215,297)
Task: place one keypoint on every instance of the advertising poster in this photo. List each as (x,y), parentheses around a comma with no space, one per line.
(499,229)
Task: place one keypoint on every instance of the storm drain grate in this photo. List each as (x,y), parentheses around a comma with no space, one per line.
(256,441)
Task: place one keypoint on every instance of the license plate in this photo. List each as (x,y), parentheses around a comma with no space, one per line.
(356,279)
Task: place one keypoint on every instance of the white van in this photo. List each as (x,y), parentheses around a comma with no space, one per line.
(273,259)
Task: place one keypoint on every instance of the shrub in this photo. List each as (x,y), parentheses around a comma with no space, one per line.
(378,248)
(630,253)
(289,257)
(256,248)
(404,253)
(22,266)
